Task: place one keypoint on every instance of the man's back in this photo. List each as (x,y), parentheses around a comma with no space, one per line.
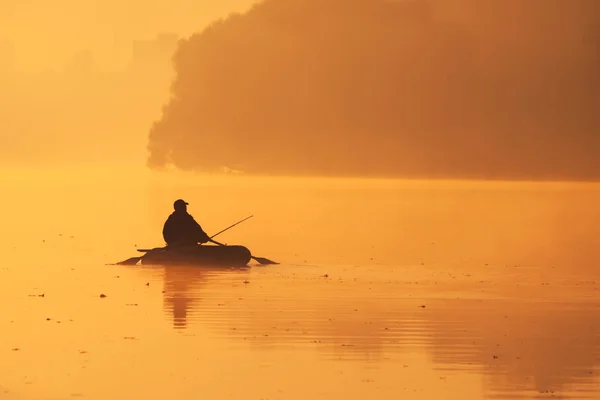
(182,228)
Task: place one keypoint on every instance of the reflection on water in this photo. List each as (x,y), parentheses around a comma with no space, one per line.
(387,289)
(543,347)
(183,287)
(520,348)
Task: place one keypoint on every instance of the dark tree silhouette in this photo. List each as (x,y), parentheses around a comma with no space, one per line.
(495,89)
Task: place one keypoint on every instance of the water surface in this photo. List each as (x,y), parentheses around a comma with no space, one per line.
(386,289)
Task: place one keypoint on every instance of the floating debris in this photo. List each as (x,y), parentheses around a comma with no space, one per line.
(102,296)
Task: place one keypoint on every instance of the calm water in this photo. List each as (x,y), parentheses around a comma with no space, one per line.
(386,290)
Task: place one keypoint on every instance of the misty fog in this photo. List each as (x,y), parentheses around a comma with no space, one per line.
(82,82)
(460,88)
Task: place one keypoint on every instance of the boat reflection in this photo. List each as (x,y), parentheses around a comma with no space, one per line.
(183,288)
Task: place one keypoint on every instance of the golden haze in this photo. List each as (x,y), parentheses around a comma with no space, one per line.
(422,289)
(82,81)
(426,89)
(480,290)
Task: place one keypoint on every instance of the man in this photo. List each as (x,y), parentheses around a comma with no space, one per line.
(181,229)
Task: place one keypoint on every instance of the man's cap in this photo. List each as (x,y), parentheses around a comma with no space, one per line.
(180,203)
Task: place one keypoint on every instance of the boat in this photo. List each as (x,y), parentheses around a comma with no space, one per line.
(205,255)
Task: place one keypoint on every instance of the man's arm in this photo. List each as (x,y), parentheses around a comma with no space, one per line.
(201,236)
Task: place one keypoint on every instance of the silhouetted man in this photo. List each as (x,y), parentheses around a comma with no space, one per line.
(181,229)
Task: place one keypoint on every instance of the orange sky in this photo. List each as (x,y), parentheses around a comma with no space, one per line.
(47,33)
(105,114)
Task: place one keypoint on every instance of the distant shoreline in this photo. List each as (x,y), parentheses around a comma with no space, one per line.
(135,171)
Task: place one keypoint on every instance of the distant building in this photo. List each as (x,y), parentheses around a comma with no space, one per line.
(82,62)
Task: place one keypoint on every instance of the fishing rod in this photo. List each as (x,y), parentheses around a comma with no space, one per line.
(260,260)
(229,227)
